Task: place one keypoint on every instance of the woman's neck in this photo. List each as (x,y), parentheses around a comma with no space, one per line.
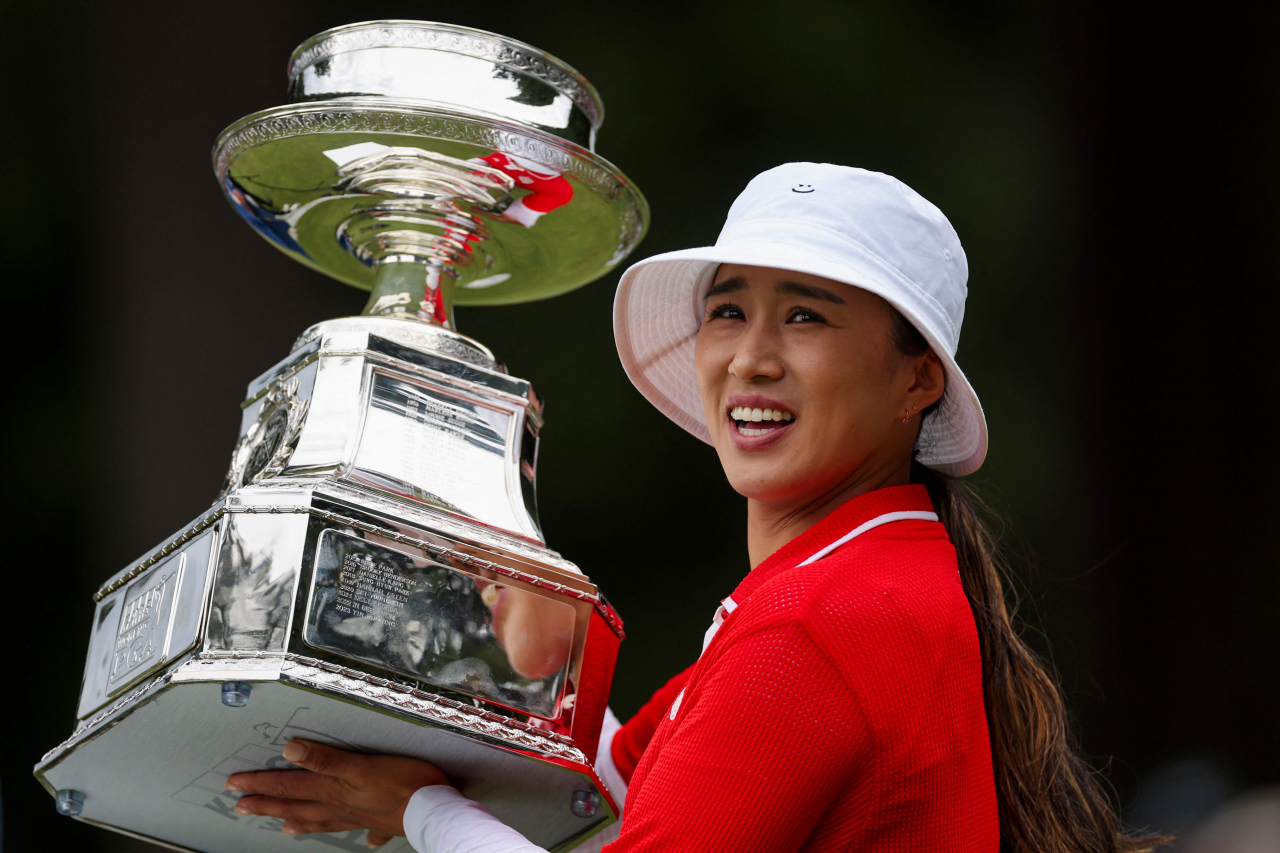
(770,525)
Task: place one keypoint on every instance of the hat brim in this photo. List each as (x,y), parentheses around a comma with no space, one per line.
(657,312)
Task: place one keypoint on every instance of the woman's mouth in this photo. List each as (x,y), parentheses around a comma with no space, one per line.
(759,421)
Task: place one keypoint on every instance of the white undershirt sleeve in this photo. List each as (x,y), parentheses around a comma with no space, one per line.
(612,780)
(438,819)
(605,768)
(441,820)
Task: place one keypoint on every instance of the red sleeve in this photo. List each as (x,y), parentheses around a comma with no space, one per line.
(630,741)
(764,740)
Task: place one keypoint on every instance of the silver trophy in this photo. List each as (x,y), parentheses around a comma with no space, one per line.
(374,575)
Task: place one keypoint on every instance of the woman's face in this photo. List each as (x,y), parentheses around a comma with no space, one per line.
(803,388)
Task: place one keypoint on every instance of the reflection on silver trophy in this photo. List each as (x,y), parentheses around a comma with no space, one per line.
(373,574)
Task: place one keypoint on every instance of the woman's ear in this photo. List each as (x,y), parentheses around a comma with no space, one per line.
(929,385)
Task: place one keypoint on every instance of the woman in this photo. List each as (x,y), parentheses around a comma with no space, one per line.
(862,688)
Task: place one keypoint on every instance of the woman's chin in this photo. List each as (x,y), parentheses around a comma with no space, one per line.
(768,482)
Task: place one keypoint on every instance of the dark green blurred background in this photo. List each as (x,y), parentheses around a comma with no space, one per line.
(1110,169)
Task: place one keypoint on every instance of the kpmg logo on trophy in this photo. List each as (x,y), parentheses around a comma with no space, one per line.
(373,574)
(136,636)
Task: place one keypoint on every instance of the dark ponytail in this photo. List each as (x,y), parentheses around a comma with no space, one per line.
(1050,799)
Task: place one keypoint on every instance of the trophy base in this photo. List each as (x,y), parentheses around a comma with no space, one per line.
(173,743)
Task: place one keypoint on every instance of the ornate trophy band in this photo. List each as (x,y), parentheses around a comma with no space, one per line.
(374,573)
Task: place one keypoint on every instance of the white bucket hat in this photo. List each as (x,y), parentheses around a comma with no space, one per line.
(862,228)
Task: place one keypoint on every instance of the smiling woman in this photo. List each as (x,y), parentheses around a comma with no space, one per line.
(863,687)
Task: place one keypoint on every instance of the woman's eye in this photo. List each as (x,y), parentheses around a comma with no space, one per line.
(727,311)
(804,315)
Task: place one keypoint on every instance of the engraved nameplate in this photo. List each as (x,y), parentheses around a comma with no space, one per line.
(154,619)
(410,615)
(429,445)
(145,618)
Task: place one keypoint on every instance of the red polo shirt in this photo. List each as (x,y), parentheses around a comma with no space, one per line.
(838,707)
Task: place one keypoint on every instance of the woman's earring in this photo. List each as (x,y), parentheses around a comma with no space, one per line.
(907,419)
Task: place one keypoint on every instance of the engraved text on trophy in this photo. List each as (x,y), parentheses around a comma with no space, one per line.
(427,444)
(370,589)
(144,621)
(437,625)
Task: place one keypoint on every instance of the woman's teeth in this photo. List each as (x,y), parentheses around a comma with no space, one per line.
(744,415)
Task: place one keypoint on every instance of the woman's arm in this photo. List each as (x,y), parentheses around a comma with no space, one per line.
(765,739)
(628,746)
(441,820)
(338,790)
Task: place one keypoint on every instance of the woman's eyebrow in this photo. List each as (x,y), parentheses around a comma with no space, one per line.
(729,285)
(808,290)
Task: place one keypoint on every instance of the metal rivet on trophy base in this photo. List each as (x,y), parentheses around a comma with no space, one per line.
(235,693)
(585,803)
(69,802)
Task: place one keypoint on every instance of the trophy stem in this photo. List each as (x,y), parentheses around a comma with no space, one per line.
(412,291)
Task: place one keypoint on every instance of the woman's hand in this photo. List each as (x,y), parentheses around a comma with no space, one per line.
(336,791)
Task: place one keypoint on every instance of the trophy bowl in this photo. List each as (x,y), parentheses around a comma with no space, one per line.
(440,145)
(373,574)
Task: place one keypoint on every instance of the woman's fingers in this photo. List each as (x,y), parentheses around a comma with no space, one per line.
(303,817)
(286,784)
(304,811)
(337,788)
(361,772)
(325,760)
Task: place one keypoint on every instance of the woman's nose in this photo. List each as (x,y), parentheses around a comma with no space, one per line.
(756,356)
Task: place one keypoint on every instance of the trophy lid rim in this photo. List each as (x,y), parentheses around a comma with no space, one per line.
(370,105)
(588,98)
(331,115)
